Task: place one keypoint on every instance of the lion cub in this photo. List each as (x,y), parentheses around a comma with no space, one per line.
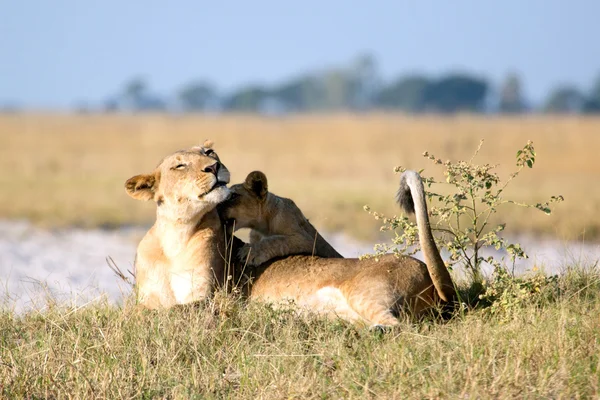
(278,226)
(374,291)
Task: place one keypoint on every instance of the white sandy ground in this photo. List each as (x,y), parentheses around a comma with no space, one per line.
(71,263)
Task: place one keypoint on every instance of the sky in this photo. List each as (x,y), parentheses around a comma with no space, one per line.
(56,54)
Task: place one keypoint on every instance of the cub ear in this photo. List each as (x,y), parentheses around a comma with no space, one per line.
(256,182)
(142,187)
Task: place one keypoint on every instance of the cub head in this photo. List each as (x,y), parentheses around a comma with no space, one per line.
(245,206)
(185,185)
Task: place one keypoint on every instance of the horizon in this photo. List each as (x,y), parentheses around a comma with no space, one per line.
(85,53)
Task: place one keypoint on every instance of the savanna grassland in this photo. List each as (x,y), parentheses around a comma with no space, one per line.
(531,337)
(545,345)
(65,169)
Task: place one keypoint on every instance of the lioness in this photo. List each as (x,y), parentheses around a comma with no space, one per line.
(278,226)
(180,259)
(371,291)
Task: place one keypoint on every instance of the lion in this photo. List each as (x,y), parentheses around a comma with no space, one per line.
(180,259)
(374,291)
(278,227)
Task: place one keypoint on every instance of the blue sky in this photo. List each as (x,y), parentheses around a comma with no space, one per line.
(54,54)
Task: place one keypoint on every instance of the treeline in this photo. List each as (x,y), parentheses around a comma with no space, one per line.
(357,87)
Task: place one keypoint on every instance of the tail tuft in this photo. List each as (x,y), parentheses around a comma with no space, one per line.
(404,196)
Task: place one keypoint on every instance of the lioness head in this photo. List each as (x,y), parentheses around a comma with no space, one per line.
(185,185)
(245,205)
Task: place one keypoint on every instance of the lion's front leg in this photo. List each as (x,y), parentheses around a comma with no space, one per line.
(274,246)
(255,236)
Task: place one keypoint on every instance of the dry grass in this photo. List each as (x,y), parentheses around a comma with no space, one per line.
(64,169)
(71,169)
(546,347)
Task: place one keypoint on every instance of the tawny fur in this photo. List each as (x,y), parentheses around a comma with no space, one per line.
(181,258)
(278,226)
(372,291)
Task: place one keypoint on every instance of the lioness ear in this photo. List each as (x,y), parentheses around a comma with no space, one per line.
(142,187)
(205,149)
(256,182)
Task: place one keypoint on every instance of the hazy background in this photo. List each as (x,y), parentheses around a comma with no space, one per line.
(300,56)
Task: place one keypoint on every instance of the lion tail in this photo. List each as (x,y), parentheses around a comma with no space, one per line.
(411,198)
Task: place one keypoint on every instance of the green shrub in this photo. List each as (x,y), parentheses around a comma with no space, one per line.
(461,212)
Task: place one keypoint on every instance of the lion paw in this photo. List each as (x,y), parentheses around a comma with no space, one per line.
(252,256)
(247,255)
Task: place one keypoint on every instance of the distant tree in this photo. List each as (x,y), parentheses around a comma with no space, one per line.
(564,99)
(136,96)
(300,94)
(592,102)
(408,94)
(152,103)
(290,94)
(134,92)
(456,93)
(338,89)
(198,96)
(9,108)
(332,89)
(111,105)
(511,96)
(247,99)
(366,82)
(591,106)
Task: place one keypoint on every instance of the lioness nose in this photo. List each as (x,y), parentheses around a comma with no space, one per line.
(212,168)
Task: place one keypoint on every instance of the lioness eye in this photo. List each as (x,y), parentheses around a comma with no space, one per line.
(180,166)
(208,152)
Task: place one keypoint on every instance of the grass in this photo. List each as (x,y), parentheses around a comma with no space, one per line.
(545,347)
(70,169)
(535,340)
